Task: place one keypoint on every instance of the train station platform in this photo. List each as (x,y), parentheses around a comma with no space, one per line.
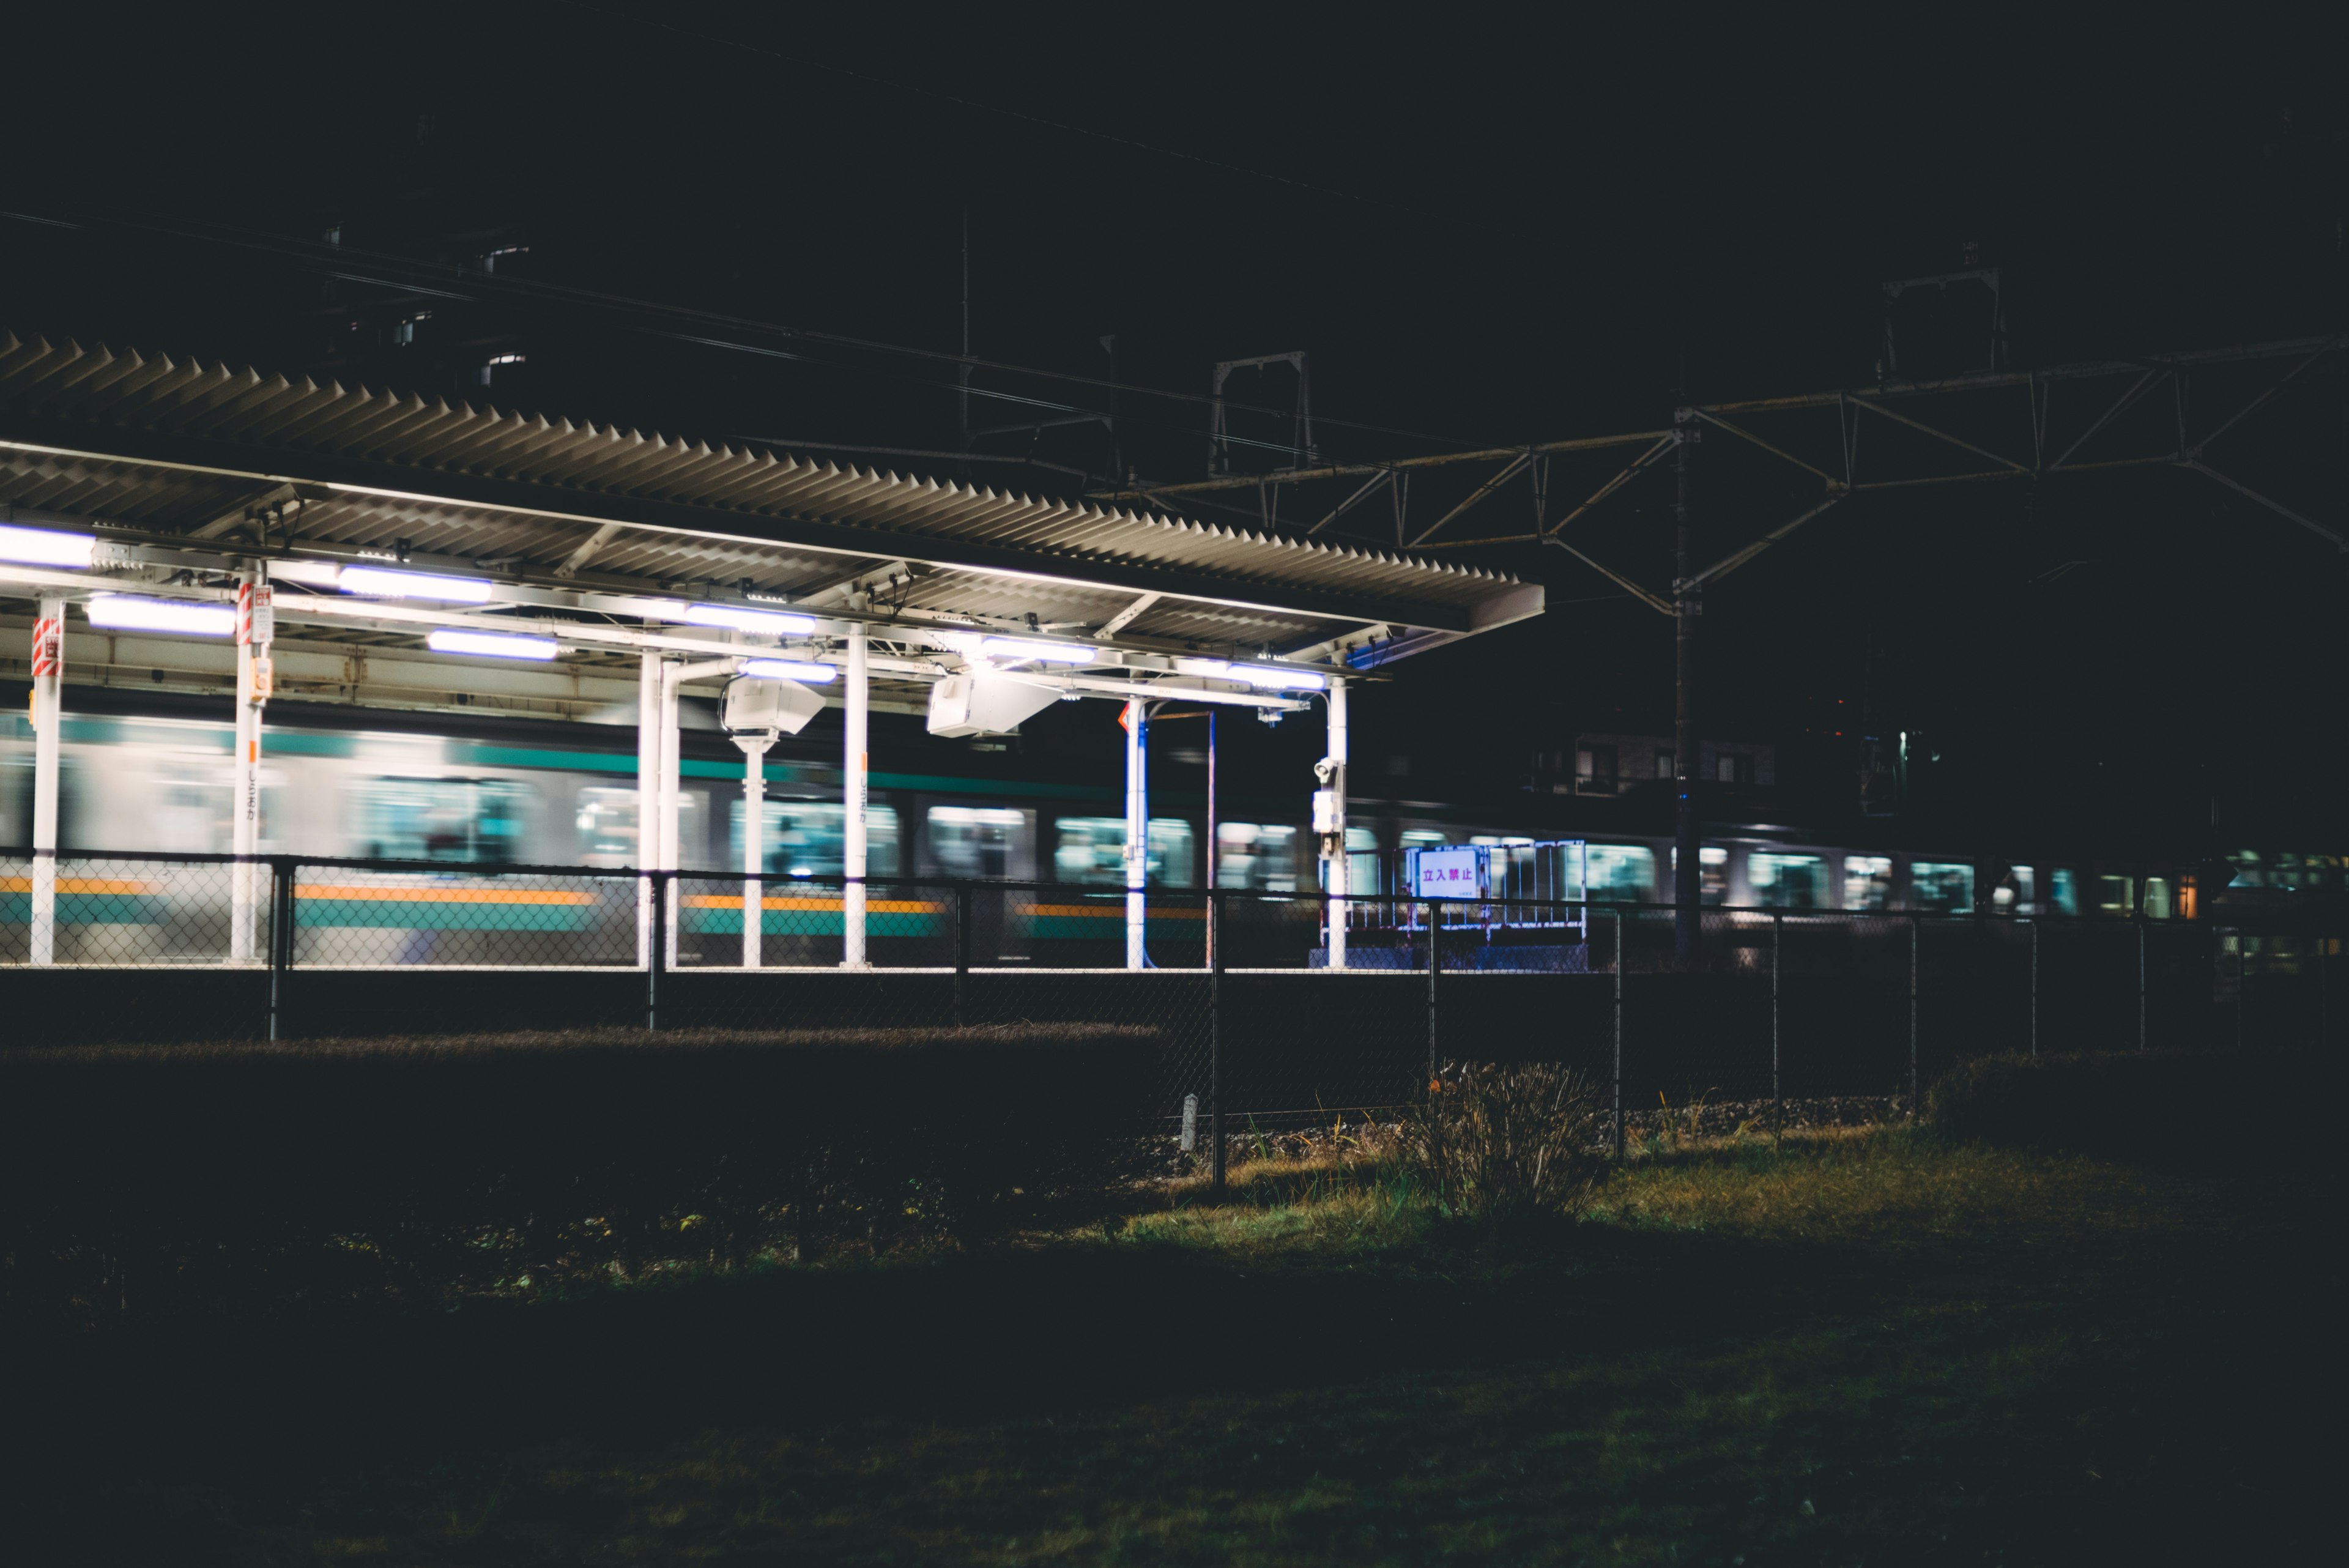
(210,527)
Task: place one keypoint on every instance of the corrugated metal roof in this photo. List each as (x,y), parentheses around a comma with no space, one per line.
(168,444)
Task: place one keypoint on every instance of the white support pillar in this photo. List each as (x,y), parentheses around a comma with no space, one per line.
(754,744)
(1137,834)
(48,728)
(855,771)
(254,626)
(672,802)
(1339,863)
(648,777)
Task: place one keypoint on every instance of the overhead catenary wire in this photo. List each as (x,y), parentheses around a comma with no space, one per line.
(339,259)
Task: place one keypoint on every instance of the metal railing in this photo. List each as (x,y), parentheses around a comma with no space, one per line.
(1786,1004)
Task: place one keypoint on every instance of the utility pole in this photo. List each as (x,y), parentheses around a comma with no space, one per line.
(962,372)
(1688,603)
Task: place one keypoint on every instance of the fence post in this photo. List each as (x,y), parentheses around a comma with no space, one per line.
(961,952)
(2140,979)
(281,939)
(2241,945)
(1915,940)
(1777,1091)
(657,952)
(1216,1039)
(1434,967)
(1619,1034)
(2034,990)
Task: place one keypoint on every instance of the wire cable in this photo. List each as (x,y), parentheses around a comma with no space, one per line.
(336,259)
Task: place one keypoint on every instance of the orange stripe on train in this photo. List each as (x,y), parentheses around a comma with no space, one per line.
(875,906)
(445,895)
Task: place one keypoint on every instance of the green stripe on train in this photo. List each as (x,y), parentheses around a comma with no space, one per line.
(814,923)
(87,909)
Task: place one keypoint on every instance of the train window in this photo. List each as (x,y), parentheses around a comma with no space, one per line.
(2156,899)
(1361,863)
(1663,762)
(1093,849)
(2065,891)
(1259,855)
(979,840)
(2116,895)
(194,810)
(440,819)
(606,826)
(1787,882)
(1866,881)
(1942,887)
(809,838)
(1621,873)
(1711,873)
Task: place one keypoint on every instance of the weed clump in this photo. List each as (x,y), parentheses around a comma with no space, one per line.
(1504,1142)
(2155,1106)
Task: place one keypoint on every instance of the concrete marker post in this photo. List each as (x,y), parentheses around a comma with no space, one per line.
(856,791)
(48,730)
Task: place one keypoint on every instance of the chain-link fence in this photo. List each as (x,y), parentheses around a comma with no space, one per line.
(1279,1008)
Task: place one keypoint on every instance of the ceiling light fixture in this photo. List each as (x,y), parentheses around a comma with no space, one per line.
(46,546)
(1279,679)
(769,623)
(1019,649)
(804,669)
(189,617)
(491,644)
(380,583)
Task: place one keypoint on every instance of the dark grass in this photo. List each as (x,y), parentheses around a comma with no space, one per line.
(2210,1110)
(1887,1348)
(236,1180)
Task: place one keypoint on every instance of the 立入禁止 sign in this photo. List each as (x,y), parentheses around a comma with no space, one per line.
(1449,874)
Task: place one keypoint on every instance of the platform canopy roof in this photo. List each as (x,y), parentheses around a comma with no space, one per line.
(182,468)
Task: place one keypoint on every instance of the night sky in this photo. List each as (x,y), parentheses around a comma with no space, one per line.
(1483,228)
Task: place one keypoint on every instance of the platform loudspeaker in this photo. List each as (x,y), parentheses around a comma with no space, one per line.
(985,703)
(760,705)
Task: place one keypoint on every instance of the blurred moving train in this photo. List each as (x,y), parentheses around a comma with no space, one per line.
(525,793)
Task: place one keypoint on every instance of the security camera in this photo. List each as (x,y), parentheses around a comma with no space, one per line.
(1325,769)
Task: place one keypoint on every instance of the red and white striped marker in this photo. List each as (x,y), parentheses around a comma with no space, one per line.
(48,647)
(256,614)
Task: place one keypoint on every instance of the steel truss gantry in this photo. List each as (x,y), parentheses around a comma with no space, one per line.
(2119,415)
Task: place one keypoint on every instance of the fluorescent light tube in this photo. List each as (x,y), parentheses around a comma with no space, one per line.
(491,644)
(1278,679)
(46,546)
(806,670)
(189,618)
(1020,650)
(310,573)
(381,582)
(772,623)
